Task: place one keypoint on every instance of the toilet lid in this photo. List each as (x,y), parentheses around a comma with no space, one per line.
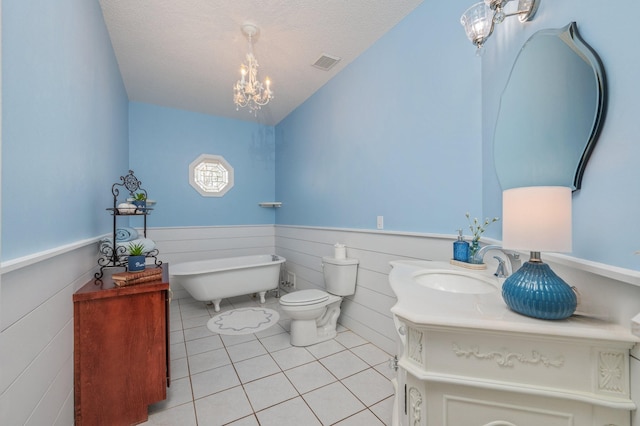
(304,297)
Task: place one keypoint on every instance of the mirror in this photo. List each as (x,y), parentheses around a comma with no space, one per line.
(551,112)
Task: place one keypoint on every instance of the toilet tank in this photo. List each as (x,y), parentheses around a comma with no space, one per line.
(340,275)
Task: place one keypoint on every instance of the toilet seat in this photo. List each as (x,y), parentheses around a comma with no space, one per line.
(304,297)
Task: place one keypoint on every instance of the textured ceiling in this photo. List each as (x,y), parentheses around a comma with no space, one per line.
(186,54)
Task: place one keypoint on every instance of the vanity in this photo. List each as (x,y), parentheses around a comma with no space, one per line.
(466,359)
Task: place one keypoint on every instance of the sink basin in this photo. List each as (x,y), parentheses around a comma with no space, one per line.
(455,281)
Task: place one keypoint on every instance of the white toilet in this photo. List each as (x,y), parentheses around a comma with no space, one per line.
(314,313)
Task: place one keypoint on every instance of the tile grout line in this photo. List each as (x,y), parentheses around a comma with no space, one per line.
(183,309)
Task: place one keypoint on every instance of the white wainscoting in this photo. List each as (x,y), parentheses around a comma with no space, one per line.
(36,341)
(210,242)
(607,292)
(367,312)
(36,315)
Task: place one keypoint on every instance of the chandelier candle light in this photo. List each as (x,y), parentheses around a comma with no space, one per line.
(249,91)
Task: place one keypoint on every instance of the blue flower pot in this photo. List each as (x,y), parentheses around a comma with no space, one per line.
(136,263)
(141,205)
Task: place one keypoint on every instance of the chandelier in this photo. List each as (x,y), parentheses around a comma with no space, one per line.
(249,91)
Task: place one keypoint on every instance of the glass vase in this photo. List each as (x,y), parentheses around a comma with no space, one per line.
(473,250)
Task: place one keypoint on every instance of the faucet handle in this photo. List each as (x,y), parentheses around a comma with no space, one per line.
(500,271)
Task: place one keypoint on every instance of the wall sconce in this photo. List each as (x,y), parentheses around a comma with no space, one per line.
(537,218)
(480,19)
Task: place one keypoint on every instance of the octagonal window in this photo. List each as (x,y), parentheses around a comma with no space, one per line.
(211,175)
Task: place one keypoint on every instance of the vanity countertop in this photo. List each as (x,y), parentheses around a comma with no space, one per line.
(426,306)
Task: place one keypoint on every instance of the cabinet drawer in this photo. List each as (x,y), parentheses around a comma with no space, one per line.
(561,366)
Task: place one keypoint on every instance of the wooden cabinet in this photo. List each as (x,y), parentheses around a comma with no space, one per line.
(121,350)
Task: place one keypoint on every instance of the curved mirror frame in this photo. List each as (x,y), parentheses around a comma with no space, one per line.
(551,112)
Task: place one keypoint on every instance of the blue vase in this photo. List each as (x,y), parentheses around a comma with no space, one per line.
(473,251)
(536,291)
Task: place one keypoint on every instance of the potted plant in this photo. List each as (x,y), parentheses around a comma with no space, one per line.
(140,201)
(136,260)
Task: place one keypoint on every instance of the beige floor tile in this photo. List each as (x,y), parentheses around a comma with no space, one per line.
(333,403)
(208,360)
(349,339)
(256,368)
(222,407)
(282,385)
(371,354)
(268,391)
(293,412)
(309,376)
(212,381)
(292,357)
(369,386)
(363,418)
(343,364)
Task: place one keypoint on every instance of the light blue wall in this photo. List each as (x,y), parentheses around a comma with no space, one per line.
(405,132)
(64,124)
(397,134)
(606,227)
(164,141)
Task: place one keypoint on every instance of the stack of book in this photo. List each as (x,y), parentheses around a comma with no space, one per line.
(122,279)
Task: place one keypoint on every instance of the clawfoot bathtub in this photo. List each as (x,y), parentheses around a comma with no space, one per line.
(216,279)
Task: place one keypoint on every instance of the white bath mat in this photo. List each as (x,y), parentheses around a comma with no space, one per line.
(243,321)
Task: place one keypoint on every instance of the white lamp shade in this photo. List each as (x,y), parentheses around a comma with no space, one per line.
(537,218)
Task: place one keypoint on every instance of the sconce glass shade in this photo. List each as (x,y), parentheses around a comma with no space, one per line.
(538,219)
(478,23)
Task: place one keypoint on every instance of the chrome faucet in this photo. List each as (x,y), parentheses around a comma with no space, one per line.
(514,259)
(478,257)
(500,272)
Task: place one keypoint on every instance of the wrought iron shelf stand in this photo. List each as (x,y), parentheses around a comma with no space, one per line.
(114,255)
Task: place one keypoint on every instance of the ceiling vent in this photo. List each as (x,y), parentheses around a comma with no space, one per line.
(326,62)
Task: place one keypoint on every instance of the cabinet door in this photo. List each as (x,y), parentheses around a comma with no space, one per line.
(415,403)
(452,405)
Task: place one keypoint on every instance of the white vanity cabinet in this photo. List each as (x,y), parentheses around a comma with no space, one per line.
(476,363)
(455,376)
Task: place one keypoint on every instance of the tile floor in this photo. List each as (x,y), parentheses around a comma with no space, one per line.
(260,379)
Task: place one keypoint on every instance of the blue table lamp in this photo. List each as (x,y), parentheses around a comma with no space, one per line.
(537,219)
